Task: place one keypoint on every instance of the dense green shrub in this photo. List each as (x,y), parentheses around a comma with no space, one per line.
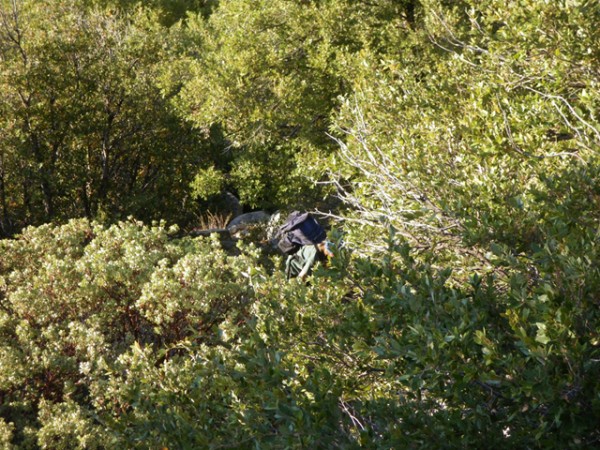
(125,337)
(76,298)
(461,307)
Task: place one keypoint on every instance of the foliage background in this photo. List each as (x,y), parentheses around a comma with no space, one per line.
(452,147)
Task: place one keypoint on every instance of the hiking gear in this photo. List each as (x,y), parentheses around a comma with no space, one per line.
(299,229)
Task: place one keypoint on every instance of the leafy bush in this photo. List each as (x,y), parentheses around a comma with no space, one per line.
(155,341)
(74,298)
(207,183)
(461,307)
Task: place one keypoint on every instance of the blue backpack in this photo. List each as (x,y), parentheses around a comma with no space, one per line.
(299,229)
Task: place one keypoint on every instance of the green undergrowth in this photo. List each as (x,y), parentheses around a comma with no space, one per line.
(125,337)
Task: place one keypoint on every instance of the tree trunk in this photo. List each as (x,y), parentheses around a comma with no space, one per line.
(85,198)
(4,222)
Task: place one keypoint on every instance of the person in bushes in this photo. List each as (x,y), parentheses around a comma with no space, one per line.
(300,264)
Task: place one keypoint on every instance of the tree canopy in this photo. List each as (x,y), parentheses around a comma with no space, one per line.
(451,147)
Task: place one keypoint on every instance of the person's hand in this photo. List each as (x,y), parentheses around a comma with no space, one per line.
(324,248)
